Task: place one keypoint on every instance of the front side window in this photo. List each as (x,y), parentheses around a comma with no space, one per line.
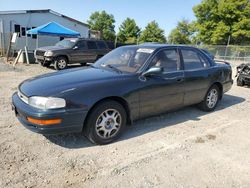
(127,59)
(81,44)
(167,59)
(192,60)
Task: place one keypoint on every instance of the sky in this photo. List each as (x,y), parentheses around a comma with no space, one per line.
(166,12)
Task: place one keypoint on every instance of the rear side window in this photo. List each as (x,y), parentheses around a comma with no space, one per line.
(91,45)
(193,60)
(101,45)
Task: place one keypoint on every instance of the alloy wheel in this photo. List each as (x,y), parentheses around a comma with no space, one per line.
(212,98)
(108,123)
(62,64)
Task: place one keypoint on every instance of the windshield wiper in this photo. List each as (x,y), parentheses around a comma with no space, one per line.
(112,67)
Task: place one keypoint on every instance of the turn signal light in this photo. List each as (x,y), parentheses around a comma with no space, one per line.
(44,122)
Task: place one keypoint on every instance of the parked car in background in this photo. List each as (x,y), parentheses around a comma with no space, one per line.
(243,74)
(71,50)
(129,83)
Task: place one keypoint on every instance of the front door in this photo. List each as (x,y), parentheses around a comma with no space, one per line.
(80,53)
(165,91)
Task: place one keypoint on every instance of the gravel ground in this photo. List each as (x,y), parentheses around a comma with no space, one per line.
(187,148)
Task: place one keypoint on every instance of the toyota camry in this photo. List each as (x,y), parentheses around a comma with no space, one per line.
(129,83)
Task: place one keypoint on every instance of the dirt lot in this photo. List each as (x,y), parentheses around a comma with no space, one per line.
(187,148)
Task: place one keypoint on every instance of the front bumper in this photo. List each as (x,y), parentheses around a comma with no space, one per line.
(72,120)
(41,59)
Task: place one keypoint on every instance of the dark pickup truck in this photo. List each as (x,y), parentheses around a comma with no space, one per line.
(69,51)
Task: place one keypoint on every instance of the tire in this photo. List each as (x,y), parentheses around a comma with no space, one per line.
(101,131)
(60,63)
(240,81)
(211,99)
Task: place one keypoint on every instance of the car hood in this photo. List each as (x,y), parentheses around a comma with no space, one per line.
(54,84)
(51,48)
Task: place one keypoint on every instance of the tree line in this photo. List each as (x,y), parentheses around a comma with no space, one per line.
(217,22)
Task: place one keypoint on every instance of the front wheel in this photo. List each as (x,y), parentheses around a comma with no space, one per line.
(211,99)
(60,63)
(105,122)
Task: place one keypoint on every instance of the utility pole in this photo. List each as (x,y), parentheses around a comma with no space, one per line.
(228,43)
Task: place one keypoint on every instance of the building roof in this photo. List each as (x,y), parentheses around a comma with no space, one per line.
(42,11)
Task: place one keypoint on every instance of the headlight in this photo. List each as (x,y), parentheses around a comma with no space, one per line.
(46,102)
(48,53)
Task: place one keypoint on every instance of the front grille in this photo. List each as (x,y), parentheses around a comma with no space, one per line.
(40,53)
(22,97)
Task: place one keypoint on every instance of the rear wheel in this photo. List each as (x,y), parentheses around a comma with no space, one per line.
(105,122)
(211,99)
(60,63)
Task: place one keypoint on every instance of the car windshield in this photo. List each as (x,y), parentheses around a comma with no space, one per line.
(127,59)
(67,43)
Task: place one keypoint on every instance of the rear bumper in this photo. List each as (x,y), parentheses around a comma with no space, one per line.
(72,120)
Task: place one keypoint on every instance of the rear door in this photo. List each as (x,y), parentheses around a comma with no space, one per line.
(92,50)
(197,78)
(102,47)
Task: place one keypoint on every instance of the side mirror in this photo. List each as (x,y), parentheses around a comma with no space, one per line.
(153,71)
(75,47)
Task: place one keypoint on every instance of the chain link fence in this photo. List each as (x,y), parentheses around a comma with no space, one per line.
(233,54)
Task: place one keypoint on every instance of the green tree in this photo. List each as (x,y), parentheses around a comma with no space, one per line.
(183,33)
(128,31)
(219,19)
(152,33)
(103,22)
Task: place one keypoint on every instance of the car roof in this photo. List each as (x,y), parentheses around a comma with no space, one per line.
(153,45)
(86,39)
